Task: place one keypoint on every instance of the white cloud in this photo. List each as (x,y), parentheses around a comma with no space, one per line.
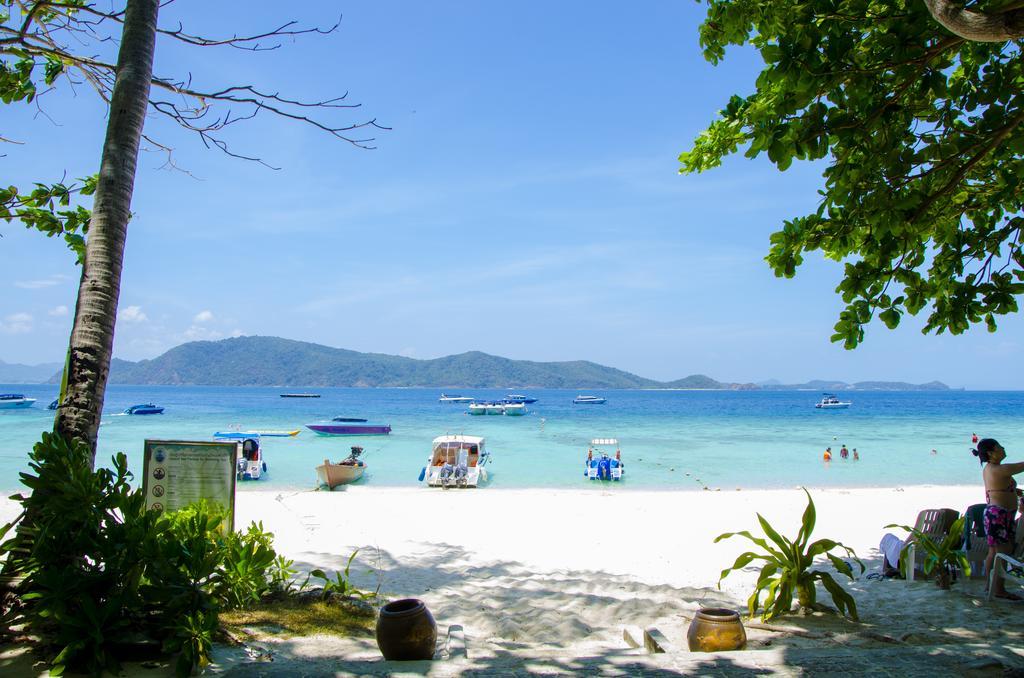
(197,333)
(58,312)
(51,281)
(203,317)
(132,314)
(16,323)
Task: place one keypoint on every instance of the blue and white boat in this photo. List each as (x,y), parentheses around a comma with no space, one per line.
(600,465)
(147,408)
(831,402)
(513,398)
(250,464)
(454,399)
(9,401)
(589,400)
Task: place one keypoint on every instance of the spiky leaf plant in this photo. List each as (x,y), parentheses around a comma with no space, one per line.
(787,569)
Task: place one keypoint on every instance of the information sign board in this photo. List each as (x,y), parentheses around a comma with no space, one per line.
(177,473)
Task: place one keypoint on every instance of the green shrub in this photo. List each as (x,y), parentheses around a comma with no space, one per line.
(943,556)
(787,572)
(98,566)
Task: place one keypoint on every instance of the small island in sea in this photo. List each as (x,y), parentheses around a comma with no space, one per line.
(272,361)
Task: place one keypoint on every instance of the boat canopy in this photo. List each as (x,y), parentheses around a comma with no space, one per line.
(458,440)
(604,441)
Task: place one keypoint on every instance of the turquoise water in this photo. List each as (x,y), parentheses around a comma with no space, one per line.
(669,439)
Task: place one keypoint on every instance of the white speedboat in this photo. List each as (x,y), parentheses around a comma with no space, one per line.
(600,465)
(454,399)
(456,461)
(589,400)
(251,464)
(831,402)
(9,401)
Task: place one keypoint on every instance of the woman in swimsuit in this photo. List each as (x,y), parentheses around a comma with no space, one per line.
(1001,497)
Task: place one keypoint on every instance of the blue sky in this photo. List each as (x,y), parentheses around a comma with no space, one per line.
(526,203)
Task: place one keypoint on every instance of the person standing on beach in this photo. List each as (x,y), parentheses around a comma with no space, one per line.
(1001,498)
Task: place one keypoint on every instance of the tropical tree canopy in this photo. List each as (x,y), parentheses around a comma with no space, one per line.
(924,135)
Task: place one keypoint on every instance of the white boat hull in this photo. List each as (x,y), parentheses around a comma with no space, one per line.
(832,406)
(16,404)
(474,476)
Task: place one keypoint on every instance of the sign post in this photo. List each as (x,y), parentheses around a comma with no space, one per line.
(177,473)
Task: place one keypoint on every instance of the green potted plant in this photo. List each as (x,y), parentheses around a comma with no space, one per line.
(942,556)
(787,569)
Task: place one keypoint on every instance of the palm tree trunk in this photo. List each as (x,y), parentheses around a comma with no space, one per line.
(92,336)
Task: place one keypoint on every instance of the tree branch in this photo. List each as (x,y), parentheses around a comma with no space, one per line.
(978,26)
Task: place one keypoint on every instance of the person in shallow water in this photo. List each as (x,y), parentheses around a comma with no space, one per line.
(828,454)
(1001,498)
(856,457)
(844,453)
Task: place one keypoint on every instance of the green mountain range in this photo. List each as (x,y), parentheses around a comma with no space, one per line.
(271,361)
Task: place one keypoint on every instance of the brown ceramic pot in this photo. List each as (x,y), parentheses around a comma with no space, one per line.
(406,630)
(715,629)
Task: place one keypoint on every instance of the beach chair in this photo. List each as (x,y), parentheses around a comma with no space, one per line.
(1010,566)
(975,543)
(934,523)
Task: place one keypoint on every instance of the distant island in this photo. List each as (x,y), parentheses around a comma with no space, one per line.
(272,361)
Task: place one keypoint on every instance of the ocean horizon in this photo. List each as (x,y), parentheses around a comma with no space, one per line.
(670,439)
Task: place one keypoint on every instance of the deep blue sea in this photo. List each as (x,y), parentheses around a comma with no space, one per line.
(669,439)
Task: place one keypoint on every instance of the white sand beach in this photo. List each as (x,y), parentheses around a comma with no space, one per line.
(555,575)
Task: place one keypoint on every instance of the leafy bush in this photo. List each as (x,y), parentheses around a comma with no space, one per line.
(943,556)
(787,569)
(340,584)
(98,566)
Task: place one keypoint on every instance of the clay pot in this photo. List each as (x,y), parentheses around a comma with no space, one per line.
(715,629)
(406,630)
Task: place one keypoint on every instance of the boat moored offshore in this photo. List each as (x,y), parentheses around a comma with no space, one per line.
(831,402)
(350,426)
(10,401)
(589,400)
(147,408)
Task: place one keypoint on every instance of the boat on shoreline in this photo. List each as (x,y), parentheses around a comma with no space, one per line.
(346,471)
(830,402)
(147,408)
(600,465)
(456,461)
(251,464)
(350,426)
(10,401)
(454,399)
(589,400)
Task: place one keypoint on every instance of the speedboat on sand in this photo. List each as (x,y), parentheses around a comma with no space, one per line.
(456,461)
(600,465)
(346,471)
